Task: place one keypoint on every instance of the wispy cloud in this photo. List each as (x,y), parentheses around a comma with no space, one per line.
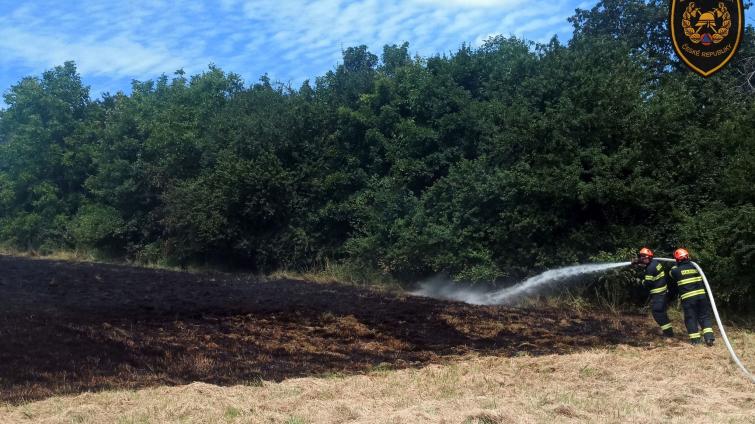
(113,42)
(116,55)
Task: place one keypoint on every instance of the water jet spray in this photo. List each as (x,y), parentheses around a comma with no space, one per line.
(508,295)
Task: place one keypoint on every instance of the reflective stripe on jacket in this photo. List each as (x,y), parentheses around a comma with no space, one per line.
(655,277)
(689,280)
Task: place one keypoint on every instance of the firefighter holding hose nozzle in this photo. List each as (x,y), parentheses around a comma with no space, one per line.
(655,280)
(693,297)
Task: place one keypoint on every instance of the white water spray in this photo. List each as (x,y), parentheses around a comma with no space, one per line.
(451,291)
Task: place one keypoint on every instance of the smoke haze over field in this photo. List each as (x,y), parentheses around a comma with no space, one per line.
(443,289)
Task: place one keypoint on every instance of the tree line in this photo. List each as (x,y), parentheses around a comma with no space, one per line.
(488,163)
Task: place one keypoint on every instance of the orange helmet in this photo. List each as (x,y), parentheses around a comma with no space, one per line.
(646,252)
(681,254)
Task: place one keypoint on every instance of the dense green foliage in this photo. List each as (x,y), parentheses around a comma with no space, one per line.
(490,163)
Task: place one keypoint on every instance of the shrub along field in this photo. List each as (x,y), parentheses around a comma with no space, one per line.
(488,163)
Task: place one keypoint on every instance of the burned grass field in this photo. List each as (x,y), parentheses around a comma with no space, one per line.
(70,327)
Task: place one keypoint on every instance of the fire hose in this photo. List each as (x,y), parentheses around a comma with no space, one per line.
(718,320)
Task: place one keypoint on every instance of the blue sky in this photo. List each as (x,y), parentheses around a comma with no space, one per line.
(114,42)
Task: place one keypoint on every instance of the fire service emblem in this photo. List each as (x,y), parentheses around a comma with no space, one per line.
(706,33)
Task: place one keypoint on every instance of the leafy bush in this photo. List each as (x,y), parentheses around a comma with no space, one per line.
(488,164)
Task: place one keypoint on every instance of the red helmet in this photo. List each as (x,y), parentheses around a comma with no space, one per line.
(646,252)
(681,254)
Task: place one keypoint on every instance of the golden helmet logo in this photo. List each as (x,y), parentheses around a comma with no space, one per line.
(706,33)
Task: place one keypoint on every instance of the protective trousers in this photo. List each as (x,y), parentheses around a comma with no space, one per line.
(696,317)
(658,308)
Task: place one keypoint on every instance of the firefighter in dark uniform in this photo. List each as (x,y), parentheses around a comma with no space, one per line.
(693,297)
(655,281)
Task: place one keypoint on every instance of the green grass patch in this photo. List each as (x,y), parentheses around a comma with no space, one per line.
(231,413)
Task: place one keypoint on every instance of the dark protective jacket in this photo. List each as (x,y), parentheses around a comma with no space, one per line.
(655,278)
(688,279)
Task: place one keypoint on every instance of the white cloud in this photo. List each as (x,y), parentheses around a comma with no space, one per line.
(117,56)
(468,3)
(289,39)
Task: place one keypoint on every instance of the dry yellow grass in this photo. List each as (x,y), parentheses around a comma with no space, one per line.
(673,383)
(58,255)
(348,274)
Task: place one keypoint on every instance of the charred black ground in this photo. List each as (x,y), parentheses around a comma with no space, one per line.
(73,327)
